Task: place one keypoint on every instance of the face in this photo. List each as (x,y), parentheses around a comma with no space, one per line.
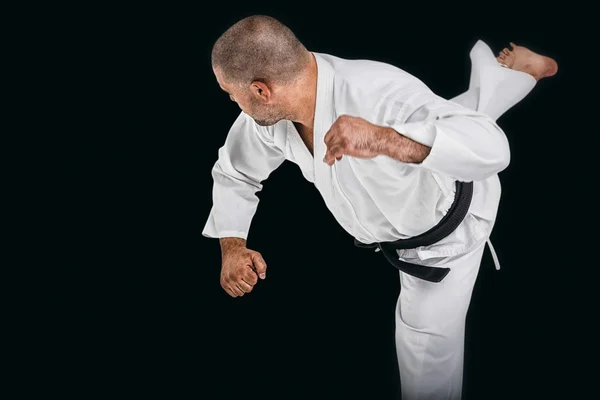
(256,100)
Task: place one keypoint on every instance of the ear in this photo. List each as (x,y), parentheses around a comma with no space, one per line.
(261,91)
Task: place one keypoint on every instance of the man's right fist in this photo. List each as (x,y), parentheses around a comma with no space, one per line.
(241,267)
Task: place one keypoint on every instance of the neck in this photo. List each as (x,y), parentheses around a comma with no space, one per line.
(304,96)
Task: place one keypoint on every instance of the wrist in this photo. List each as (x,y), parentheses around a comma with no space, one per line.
(229,243)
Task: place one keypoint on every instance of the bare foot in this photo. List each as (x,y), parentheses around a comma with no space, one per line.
(522,59)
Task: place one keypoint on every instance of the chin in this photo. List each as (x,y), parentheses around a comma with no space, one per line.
(262,122)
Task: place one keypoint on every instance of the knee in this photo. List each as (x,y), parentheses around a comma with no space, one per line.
(437,319)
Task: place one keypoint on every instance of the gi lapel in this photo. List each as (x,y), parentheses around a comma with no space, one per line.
(324,118)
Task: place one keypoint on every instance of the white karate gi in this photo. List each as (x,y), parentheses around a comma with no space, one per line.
(382,199)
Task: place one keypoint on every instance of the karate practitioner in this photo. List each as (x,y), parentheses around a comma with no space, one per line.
(385,153)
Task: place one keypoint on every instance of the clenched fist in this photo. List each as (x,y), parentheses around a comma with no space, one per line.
(241,267)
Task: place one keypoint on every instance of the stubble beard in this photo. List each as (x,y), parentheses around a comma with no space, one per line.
(271,116)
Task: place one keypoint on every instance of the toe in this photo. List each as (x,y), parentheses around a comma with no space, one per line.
(506,51)
(513,45)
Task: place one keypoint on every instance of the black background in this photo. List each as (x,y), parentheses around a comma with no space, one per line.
(134,307)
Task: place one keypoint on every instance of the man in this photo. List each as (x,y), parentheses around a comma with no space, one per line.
(388,156)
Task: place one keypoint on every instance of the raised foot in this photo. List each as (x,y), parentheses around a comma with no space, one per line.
(522,59)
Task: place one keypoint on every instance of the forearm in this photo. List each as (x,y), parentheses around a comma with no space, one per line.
(397,146)
(245,160)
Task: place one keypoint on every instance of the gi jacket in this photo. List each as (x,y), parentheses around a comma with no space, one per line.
(382,199)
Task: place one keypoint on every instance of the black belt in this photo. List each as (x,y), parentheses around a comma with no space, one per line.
(455,215)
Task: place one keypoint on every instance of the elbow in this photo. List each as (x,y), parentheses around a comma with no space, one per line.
(475,153)
(495,161)
(496,158)
(502,152)
(486,163)
(506,160)
(502,155)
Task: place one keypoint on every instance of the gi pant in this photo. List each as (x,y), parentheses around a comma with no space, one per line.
(431,317)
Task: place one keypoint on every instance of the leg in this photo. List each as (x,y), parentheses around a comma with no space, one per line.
(430,327)
(430,317)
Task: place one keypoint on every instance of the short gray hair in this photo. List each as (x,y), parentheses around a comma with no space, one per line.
(259,48)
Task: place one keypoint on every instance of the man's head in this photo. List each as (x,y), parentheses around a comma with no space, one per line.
(257,61)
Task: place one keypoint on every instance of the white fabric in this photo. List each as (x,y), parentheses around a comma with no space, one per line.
(382,199)
(430,330)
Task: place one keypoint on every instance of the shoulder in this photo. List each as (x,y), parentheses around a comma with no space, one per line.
(362,86)
(368,74)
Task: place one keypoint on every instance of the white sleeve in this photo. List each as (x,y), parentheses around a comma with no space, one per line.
(466,145)
(245,160)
